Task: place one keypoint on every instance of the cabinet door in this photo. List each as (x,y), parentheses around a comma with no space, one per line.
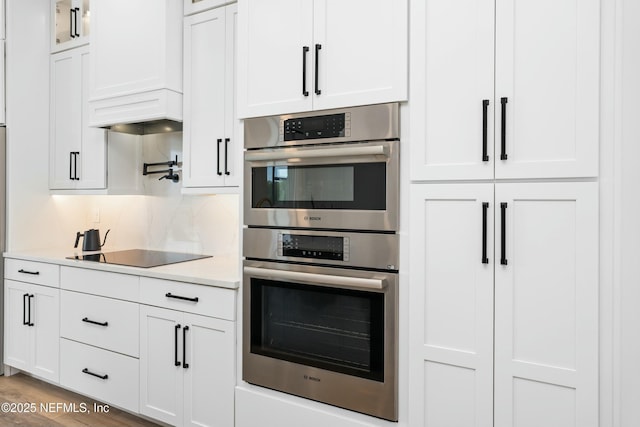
(92,163)
(70,23)
(45,316)
(547,68)
(17,334)
(360,51)
(271,40)
(546,305)
(205,104)
(209,380)
(161,364)
(452,76)
(451,311)
(233,143)
(65,118)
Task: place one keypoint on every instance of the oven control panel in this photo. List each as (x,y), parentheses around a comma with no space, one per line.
(335,248)
(329,126)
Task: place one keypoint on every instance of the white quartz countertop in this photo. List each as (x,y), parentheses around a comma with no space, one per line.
(219,271)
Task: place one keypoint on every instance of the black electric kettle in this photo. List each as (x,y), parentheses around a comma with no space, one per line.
(91,240)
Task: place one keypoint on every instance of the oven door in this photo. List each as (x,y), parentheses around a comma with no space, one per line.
(344,186)
(327,334)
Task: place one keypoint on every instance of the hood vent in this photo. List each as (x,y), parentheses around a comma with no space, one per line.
(147,128)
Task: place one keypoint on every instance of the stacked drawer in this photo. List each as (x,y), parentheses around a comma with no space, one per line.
(99,327)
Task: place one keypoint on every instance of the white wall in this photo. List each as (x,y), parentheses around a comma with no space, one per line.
(162,219)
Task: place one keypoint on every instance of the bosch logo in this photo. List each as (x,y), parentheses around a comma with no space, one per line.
(313,218)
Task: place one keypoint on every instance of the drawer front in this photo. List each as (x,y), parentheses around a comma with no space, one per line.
(102,322)
(32,272)
(211,301)
(121,374)
(103,283)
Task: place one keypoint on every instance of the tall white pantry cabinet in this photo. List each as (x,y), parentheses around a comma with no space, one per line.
(504,128)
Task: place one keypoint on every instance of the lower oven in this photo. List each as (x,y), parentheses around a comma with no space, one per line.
(320,331)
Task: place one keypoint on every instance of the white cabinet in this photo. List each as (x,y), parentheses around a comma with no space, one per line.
(329,54)
(495,95)
(31,329)
(545,293)
(136,61)
(211,149)
(195,6)
(187,368)
(77,151)
(70,23)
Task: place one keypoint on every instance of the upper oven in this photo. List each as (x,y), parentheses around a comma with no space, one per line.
(336,169)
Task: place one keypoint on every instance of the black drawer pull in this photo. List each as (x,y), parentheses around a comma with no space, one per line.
(29,308)
(318,47)
(219,141)
(86,319)
(24,310)
(102,377)
(35,273)
(503,140)
(503,234)
(485,208)
(169,295)
(175,346)
(305,49)
(485,106)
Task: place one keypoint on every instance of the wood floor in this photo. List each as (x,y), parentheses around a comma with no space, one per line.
(20,392)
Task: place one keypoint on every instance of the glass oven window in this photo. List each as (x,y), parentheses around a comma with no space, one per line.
(334,329)
(359,186)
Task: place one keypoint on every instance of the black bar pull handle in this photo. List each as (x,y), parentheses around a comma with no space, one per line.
(175,348)
(485,107)
(305,50)
(93,322)
(318,47)
(170,295)
(226,156)
(218,156)
(503,234)
(29,308)
(72,12)
(75,165)
(24,309)
(102,377)
(485,208)
(35,273)
(185,365)
(71,165)
(77,9)
(503,154)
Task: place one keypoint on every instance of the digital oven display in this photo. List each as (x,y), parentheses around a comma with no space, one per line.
(318,247)
(331,126)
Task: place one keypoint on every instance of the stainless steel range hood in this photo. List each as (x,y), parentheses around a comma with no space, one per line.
(147,128)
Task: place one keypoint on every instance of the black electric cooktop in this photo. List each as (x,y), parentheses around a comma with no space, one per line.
(139,258)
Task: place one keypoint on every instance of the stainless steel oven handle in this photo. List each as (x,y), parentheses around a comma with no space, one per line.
(370,150)
(319,279)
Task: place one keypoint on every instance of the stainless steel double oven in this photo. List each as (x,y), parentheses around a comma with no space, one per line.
(320,285)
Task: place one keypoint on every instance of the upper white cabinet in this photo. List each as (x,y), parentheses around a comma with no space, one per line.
(195,6)
(70,23)
(329,54)
(505,89)
(77,152)
(136,61)
(211,148)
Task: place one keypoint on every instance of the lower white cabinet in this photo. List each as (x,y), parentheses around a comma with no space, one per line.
(504,305)
(104,375)
(187,368)
(31,328)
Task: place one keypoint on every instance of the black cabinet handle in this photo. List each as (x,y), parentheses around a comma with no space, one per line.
(24,309)
(503,234)
(75,165)
(318,47)
(185,365)
(86,319)
(218,156)
(30,323)
(503,154)
(35,273)
(72,12)
(77,9)
(102,377)
(175,348)
(170,295)
(71,165)
(485,106)
(226,156)
(305,50)
(485,208)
